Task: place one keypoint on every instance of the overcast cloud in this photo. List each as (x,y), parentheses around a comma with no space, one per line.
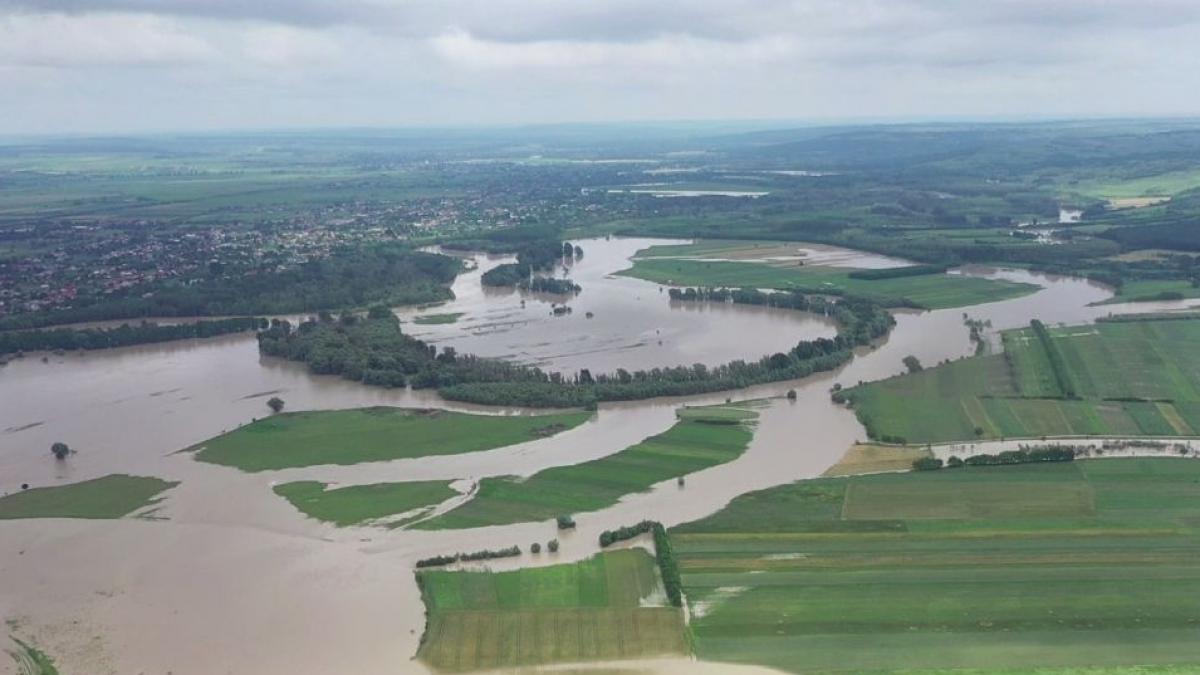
(128,65)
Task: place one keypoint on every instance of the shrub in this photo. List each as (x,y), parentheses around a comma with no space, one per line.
(535,547)
(552,546)
(566,523)
(954,462)
(927,464)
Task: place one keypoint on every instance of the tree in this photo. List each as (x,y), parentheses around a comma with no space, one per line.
(535,547)
(60,450)
(275,403)
(552,546)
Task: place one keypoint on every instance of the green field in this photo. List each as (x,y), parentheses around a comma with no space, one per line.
(437,319)
(1132,378)
(703,437)
(932,291)
(113,496)
(360,504)
(611,606)
(1072,565)
(1156,185)
(1154,289)
(372,435)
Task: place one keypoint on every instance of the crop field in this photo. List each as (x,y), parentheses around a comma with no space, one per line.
(611,606)
(695,442)
(1076,565)
(1130,377)
(359,504)
(1154,289)
(372,435)
(113,496)
(932,291)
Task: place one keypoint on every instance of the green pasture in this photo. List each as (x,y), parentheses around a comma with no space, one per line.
(359,504)
(372,435)
(932,291)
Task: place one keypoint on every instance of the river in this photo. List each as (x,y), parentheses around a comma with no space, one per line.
(236,580)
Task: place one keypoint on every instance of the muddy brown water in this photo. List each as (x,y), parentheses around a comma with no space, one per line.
(235,580)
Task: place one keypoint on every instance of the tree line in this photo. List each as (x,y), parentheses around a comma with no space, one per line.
(374,350)
(123,335)
(1058,365)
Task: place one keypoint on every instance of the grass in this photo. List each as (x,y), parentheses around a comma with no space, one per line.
(113,496)
(611,606)
(703,437)
(1132,378)
(372,435)
(1151,290)
(30,660)
(932,291)
(359,504)
(436,319)
(1057,566)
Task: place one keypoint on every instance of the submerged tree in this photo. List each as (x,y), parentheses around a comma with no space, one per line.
(275,403)
(60,450)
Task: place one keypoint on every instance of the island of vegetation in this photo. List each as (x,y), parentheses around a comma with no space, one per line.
(372,435)
(917,286)
(375,504)
(702,437)
(113,496)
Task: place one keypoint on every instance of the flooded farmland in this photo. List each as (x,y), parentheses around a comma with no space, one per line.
(233,579)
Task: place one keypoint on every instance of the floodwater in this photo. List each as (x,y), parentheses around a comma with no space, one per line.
(234,580)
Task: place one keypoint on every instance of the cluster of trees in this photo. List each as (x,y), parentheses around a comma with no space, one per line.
(1053,453)
(507,274)
(532,256)
(752,296)
(1058,365)
(374,350)
(550,285)
(1050,453)
(668,566)
(121,336)
(664,554)
(353,277)
(440,560)
(610,537)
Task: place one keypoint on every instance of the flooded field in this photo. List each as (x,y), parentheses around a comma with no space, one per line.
(236,580)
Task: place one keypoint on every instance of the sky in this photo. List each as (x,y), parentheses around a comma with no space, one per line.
(120,66)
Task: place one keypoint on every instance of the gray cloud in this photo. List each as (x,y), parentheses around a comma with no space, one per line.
(290,62)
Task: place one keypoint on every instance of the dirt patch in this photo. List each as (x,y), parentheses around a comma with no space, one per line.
(866,458)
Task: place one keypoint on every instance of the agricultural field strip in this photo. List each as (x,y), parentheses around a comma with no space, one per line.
(1134,378)
(610,606)
(784,579)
